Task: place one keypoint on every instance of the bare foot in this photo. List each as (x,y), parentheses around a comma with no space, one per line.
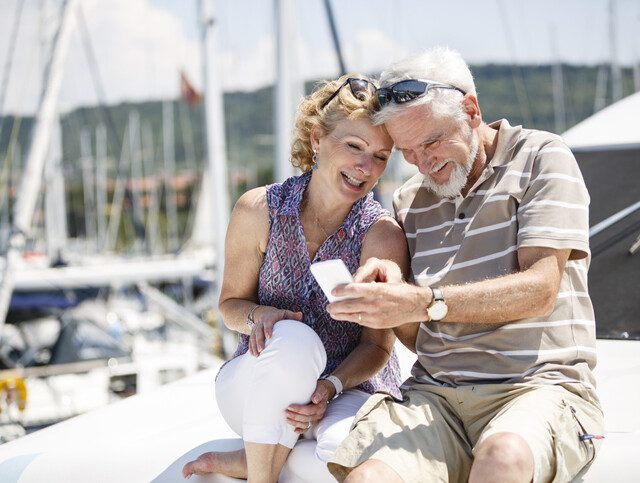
(231,463)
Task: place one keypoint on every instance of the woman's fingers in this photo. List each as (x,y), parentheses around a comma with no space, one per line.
(259,331)
(268,329)
(300,415)
(292,315)
(252,344)
(263,329)
(322,392)
(301,425)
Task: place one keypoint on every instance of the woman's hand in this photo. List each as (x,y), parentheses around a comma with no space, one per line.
(302,416)
(265,318)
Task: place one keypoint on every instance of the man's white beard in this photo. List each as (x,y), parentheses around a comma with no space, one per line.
(457,178)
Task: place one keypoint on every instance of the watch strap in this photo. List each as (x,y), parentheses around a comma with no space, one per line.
(437,301)
(337,383)
(437,295)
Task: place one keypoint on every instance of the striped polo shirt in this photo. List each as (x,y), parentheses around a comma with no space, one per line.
(531,194)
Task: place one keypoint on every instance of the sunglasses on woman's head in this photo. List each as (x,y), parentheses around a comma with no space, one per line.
(357,86)
(408,90)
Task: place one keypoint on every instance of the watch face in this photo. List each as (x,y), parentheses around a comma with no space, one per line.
(438,310)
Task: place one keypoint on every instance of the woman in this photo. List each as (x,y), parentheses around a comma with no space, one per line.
(293,359)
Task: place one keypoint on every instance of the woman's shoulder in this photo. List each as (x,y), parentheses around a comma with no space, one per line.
(386,240)
(250,218)
(369,211)
(252,207)
(385,227)
(253,200)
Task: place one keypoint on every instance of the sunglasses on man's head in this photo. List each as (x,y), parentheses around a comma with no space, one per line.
(408,90)
(357,86)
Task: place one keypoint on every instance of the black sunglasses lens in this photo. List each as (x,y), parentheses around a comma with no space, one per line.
(359,87)
(384,96)
(408,90)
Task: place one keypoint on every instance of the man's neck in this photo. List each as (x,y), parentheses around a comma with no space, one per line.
(488,142)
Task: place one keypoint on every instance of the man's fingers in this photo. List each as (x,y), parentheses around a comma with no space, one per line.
(347,307)
(369,271)
(357,290)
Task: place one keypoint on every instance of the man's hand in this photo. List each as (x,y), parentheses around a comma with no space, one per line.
(380,305)
(376,270)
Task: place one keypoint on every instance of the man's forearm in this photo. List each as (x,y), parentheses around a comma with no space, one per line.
(529,293)
(512,297)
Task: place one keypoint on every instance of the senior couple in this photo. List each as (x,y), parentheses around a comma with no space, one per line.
(482,273)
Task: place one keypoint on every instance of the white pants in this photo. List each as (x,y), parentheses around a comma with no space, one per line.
(253,393)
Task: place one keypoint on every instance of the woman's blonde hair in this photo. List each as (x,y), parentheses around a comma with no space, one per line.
(311,115)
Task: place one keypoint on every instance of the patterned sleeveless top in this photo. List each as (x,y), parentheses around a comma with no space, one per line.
(285,280)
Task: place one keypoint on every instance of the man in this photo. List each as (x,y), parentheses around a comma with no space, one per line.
(499,315)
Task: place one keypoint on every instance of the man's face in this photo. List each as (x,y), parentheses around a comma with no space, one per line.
(443,149)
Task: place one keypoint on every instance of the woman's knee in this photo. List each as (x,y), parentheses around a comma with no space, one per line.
(293,343)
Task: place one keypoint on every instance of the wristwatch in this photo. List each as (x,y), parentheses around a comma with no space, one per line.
(437,309)
(337,383)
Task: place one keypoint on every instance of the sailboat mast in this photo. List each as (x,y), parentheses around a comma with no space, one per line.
(54,195)
(37,154)
(168,149)
(558,84)
(287,90)
(87,162)
(216,148)
(101,183)
(616,73)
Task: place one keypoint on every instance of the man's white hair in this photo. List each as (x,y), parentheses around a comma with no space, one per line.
(439,64)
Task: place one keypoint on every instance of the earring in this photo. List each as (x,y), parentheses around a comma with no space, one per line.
(314,160)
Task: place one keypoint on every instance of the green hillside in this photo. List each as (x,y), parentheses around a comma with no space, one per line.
(249,126)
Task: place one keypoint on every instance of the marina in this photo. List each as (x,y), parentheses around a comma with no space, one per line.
(111,260)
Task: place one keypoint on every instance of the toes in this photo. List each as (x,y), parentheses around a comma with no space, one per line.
(203,465)
(187,470)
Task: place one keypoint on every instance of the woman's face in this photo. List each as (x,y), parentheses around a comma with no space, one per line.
(352,157)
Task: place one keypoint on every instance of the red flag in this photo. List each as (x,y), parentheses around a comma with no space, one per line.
(188,92)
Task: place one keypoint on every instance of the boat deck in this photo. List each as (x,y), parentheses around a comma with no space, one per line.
(149,437)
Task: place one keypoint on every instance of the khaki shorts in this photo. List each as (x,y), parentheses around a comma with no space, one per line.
(433,433)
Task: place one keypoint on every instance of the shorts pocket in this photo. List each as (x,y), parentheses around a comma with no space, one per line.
(571,452)
(372,403)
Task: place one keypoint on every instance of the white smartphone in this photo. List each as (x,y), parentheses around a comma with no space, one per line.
(330,274)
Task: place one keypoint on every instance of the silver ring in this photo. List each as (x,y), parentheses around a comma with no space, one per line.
(308,425)
(359,317)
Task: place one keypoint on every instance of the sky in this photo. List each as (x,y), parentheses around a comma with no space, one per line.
(141,45)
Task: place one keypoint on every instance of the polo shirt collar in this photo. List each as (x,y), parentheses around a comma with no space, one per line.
(507,138)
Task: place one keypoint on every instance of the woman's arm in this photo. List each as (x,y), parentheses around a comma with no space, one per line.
(245,245)
(244,249)
(384,240)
